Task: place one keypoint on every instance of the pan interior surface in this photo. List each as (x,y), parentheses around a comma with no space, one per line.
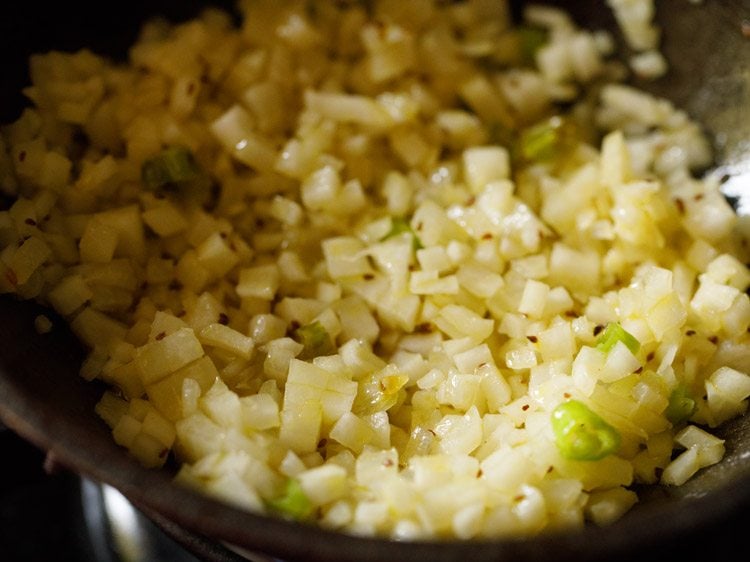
(47,402)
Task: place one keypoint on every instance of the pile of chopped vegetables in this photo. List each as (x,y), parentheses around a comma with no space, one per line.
(402,269)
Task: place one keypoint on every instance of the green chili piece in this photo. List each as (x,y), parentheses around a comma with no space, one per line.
(173,166)
(315,339)
(544,141)
(681,405)
(400,225)
(292,502)
(582,435)
(614,333)
(531,39)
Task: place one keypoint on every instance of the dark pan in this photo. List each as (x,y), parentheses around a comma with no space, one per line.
(44,400)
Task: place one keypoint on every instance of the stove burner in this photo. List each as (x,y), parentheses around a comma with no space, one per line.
(59,516)
(121,533)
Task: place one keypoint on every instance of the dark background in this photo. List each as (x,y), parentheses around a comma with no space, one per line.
(39,517)
(42,516)
(108,28)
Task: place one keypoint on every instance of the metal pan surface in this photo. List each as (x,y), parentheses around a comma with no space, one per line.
(43,399)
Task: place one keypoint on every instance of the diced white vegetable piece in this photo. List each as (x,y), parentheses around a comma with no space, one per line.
(349,108)
(434,258)
(27,259)
(460,434)
(727,391)
(557,342)
(259,412)
(300,427)
(681,469)
(198,436)
(345,258)
(506,469)
(428,283)
(234,129)
(352,432)
(703,449)
(98,243)
(222,405)
(170,395)
(620,363)
(216,255)
(521,358)
(158,359)
(334,393)
(728,270)
(458,321)
(324,484)
(534,298)
(693,436)
(230,487)
(70,294)
(604,507)
(228,339)
(165,220)
(732,383)
(96,329)
(483,165)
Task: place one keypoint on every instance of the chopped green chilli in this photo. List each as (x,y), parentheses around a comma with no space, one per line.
(173,166)
(614,333)
(544,141)
(400,225)
(315,339)
(580,434)
(293,502)
(531,39)
(681,405)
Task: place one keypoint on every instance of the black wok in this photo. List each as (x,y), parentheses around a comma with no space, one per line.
(44,400)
